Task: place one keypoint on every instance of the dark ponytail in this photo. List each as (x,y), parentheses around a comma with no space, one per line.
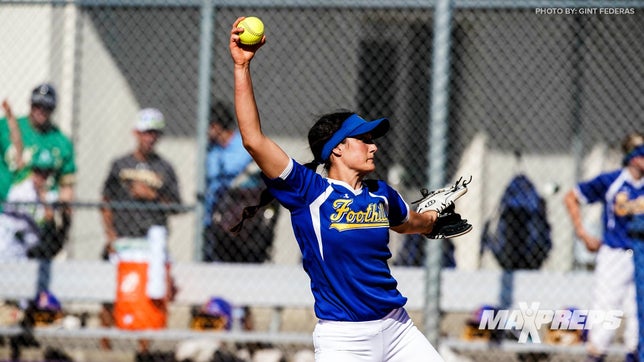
(249,211)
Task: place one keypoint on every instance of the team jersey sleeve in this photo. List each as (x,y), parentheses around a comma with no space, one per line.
(594,189)
(296,187)
(398,208)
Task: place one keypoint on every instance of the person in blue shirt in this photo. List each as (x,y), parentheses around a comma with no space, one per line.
(621,192)
(226,159)
(341,223)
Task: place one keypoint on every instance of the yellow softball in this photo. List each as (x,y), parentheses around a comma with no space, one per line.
(253,30)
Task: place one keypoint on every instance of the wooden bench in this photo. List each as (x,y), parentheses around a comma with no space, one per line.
(279,287)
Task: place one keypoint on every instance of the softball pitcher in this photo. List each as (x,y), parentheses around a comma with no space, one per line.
(341,223)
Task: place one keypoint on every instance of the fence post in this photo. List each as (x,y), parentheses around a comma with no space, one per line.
(203,106)
(436,164)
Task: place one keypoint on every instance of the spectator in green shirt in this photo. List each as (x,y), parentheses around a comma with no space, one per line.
(36,131)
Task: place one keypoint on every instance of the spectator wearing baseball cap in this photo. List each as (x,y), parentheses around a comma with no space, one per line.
(44,96)
(20,138)
(136,238)
(149,119)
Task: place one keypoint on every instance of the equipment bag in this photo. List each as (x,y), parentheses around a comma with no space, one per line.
(519,233)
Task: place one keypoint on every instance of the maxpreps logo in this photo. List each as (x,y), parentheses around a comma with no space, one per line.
(529,319)
(344,218)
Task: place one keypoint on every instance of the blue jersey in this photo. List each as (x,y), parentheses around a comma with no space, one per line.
(343,235)
(622,197)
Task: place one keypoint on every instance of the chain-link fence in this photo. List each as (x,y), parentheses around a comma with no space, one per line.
(533,96)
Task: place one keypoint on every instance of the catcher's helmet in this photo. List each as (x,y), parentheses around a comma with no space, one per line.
(44,95)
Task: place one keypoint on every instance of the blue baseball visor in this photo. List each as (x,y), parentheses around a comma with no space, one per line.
(355,126)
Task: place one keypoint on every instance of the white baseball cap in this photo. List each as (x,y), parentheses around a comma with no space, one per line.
(149,119)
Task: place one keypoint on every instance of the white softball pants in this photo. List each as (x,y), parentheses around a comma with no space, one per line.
(393,338)
(614,290)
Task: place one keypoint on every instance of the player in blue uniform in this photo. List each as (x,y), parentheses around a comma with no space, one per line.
(633,147)
(341,223)
(622,194)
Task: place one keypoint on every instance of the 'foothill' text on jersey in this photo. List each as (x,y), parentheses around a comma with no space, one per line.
(343,235)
